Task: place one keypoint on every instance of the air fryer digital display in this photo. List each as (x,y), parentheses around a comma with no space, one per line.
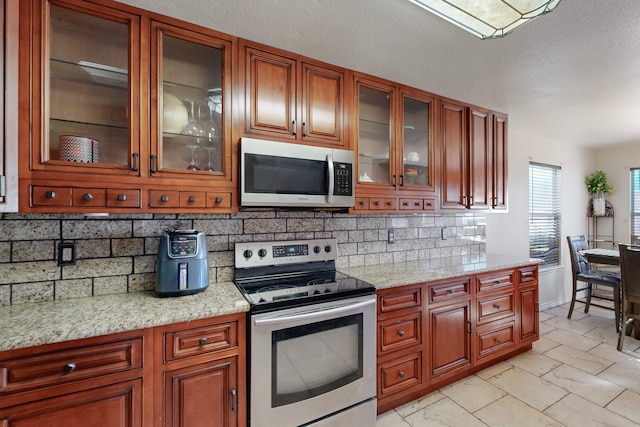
(182,246)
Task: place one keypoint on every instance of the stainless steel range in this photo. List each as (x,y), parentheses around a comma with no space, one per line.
(312,336)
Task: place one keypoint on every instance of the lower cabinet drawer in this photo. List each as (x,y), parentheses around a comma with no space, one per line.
(50,196)
(401,332)
(89,197)
(164,199)
(493,340)
(495,307)
(399,374)
(411,204)
(219,200)
(69,365)
(192,199)
(123,198)
(202,340)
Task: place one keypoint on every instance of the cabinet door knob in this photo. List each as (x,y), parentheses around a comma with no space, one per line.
(390,203)
(401,333)
(122,197)
(498,340)
(203,341)
(362,203)
(218,199)
(192,199)
(164,198)
(69,367)
(50,194)
(497,306)
(377,203)
(406,203)
(417,203)
(401,374)
(87,196)
(429,204)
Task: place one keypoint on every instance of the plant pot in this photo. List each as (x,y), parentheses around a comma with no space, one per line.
(598,204)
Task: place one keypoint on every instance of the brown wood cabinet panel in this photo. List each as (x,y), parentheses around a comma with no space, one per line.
(48,369)
(50,196)
(399,374)
(219,200)
(164,199)
(412,204)
(202,340)
(322,104)
(202,395)
(362,203)
(455,288)
(192,199)
(90,197)
(495,280)
(495,339)
(450,338)
(480,163)
(117,405)
(500,161)
(528,274)
(390,300)
(123,198)
(430,204)
(453,145)
(529,313)
(399,332)
(495,306)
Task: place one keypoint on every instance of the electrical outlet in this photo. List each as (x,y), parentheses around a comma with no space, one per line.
(67,253)
(392,236)
(443,231)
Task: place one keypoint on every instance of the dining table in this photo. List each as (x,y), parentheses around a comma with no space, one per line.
(611,257)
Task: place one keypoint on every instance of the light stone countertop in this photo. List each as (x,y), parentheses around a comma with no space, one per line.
(407,273)
(26,325)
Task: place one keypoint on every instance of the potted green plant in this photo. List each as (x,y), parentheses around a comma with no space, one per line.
(597,185)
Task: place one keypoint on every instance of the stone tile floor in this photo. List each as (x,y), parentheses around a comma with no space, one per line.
(574,376)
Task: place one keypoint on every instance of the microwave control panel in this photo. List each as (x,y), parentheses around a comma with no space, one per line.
(343,178)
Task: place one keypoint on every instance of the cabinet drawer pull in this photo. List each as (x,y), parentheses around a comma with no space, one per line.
(498,341)
(203,341)
(401,374)
(362,203)
(377,203)
(69,367)
(50,194)
(401,333)
(390,203)
(451,291)
(417,203)
(218,199)
(406,203)
(192,199)
(429,204)
(122,197)
(134,162)
(164,198)
(87,196)
(497,306)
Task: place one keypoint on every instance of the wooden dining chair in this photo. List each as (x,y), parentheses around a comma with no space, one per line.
(584,277)
(630,274)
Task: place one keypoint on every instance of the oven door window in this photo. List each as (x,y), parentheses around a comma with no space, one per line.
(284,175)
(316,358)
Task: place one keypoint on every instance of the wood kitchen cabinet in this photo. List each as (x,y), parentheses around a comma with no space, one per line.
(115,94)
(291,98)
(8,103)
(200,373)
(393,135)
(473,142)
(95,381)
(435,333)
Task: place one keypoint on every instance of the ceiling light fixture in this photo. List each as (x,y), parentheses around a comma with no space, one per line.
(488,19)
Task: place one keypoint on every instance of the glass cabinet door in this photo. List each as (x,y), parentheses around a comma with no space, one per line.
(416,142)
(189,81)
(374,134)
(88,94)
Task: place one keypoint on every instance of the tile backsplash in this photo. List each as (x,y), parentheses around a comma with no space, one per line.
(117,253)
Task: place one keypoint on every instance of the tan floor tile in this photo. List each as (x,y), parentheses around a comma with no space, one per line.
(573,340)
(610,336)
(472,393)
(534,363)
(576,411)
(624,374)
(545,329)
(579,359)
(627,405)
(600,322)
(545,316)
(544,345)
(494,370)
(563,310)
(602,312)
(420,403)
(569,325)
(391,419)
(509,411)
(530,389)
(607,351)
(590,387)
(443,413)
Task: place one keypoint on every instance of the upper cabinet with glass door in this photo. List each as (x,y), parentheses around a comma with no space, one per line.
(88,72)
(191,88)
(415,158)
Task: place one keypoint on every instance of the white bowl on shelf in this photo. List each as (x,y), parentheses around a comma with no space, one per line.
(174,114)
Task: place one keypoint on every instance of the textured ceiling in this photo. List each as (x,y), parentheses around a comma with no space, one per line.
(572,76)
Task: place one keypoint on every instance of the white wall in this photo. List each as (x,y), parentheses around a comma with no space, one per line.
(616,162)
(509,233)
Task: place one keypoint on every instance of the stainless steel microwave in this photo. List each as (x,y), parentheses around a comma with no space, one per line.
(279,174)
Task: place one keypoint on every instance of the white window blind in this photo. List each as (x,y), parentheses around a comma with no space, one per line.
(635,206)
(544,213)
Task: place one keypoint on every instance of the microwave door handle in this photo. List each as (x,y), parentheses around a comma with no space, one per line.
(331,178)
(311,314)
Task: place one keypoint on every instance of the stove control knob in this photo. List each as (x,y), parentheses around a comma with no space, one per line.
(316,292)
(248,253)
(326,291)
(316,249)
(262,253)
(328,248)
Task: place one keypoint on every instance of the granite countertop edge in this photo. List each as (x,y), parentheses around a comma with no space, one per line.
(26,325)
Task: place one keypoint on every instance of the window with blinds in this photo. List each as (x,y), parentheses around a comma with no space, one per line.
(544,213)
(635,206)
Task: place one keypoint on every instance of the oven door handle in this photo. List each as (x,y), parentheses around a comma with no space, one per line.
(307,315)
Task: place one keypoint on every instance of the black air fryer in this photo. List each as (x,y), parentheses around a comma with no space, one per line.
(182,267)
